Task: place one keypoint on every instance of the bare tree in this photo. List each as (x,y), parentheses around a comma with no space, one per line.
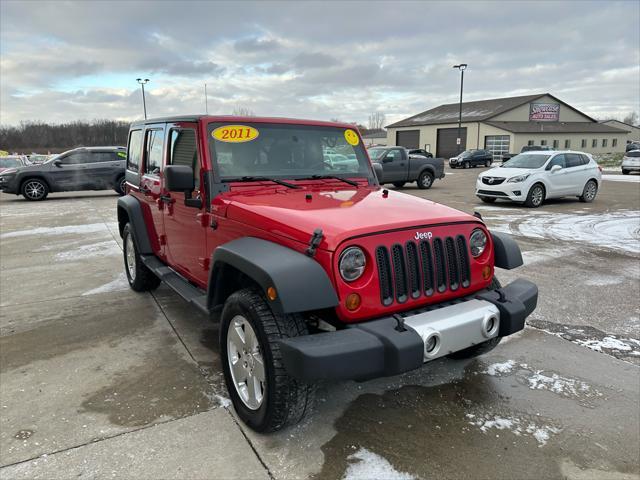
(631,119)
(241,111)
(377,121)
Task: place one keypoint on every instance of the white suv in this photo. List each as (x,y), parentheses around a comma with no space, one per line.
(532,177)
(631,162)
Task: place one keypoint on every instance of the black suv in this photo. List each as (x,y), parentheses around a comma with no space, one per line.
(472,158)
(86,168)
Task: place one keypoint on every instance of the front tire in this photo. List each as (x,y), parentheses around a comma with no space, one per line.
(34,189)
(264,395)
(484,347)
(589,192)
(120,186)
(625,172)
(487,163)
(535,197)
(425,180)
(140,278)
(466,165)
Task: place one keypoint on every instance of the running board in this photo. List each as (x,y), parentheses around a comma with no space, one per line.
(177,282)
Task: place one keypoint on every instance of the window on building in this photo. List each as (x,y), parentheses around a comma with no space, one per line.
(133,152)
(567,144)
(556,143)
(583,143)
(543,142)
(498,145)
(604,142)
(530,143)
(614,142)
(594,143)
(153,152)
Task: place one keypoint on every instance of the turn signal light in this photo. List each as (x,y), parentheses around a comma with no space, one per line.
(353,302)
(272,294)
(486,272)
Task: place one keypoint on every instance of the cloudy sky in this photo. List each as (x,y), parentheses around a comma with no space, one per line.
(63,60)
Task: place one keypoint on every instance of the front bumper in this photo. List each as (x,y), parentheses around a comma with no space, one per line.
(379,348)
(516,192)
(631,166)
(7,184)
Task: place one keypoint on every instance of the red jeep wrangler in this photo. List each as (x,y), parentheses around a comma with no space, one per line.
(318,272)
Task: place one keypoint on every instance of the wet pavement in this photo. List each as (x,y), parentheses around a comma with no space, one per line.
(97,380)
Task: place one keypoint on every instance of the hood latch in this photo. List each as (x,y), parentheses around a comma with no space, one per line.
(314,242)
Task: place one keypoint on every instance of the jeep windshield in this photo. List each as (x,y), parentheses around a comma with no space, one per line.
(525,160)
(286,151)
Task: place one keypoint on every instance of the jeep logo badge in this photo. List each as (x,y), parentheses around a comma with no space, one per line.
(423,235)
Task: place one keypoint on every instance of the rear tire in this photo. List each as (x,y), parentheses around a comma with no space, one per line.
(481,348)
(120,186)
(535,197)
(589,192)
(279,399)
(140,278)
(488,199)
(425,180)
(34,189)
(399,184)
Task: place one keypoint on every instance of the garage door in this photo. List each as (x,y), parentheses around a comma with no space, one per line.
(408,138)
(447,146)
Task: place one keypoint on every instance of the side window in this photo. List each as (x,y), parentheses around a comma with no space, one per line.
(585,159)
(97,157)
(183,150)
(133,150)
(573,160)
(76,158)
(557,160)
(153,152)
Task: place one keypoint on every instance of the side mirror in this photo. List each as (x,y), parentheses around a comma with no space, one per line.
(378,170)
(179,178)
(57,163)
(555,168)
(387,159)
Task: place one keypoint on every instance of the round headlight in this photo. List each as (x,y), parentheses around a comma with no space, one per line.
(477,242)
(352,263)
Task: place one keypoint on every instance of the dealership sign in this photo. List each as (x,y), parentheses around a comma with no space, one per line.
(547,112)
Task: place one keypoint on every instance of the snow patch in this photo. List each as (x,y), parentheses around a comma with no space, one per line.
(64,230)
(603,280)
(497,369)
(369,465)
(541,433)
(223,401)
(100,249)
(611,343)
(567,387)
(120,283)
(622,178)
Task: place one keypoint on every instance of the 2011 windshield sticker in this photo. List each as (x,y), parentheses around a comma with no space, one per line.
(235,133)
(351,137)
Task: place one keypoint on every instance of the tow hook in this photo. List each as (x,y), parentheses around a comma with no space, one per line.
(314,242)
(400,320)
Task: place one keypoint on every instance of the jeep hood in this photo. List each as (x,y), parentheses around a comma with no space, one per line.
(340,213)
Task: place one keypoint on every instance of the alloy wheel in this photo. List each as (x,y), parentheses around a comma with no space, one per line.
(536,196)
(130,255)
(34,190)
(590,191)
(245,362)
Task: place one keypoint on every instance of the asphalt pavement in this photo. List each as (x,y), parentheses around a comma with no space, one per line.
(99,381)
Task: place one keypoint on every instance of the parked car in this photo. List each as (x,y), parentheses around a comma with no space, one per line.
(12,162)
(420,151)
(399,167)
(472,158)
(632,146)
(533,177)
(631,162)
(319,274)
(87,168)
(526,148)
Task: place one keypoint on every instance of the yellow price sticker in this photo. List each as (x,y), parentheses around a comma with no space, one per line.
(235,133)
(351,137)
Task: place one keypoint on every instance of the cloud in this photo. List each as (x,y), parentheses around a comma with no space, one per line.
(68,60)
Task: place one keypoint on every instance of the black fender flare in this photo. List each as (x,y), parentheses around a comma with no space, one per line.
(506,251)
(430,168)
(131,206)
(300,282)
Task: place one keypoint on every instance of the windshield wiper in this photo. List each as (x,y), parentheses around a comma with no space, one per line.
(330,177)
(248,178)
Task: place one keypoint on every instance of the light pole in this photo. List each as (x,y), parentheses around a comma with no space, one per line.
(462,68)
(144,102)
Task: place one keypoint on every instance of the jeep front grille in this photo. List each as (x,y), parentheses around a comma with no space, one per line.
(422,269)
